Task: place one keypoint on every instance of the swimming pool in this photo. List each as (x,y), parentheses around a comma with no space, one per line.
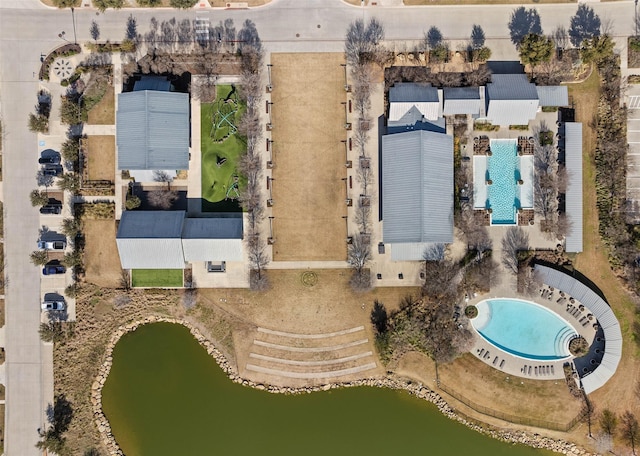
(523,328)
(504,172)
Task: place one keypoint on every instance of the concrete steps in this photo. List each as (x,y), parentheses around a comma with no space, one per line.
(318,357)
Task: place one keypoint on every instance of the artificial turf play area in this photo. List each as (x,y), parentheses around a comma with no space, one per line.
(156,278)
(221,146)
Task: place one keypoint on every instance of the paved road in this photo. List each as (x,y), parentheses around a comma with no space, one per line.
(28,29)
(24,393)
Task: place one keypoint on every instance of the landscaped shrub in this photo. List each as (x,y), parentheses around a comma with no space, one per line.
(471,311)
(519,127)
(578,346)
(485,126)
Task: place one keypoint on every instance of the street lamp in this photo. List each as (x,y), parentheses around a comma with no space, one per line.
(347,87)
(635,18)
(270,150)
(271,239)
(73,19)
(270,187)
(61,36)
(269,86)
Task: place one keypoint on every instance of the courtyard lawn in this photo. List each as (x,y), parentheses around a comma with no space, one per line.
(220,156)
(157,278)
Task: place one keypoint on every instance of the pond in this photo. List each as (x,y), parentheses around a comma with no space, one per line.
(166,396)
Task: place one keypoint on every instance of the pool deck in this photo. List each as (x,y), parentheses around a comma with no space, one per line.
(515,365)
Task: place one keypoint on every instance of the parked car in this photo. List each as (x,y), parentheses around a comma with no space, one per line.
(51,160)
(53,305)
(52,170)
(53,269)
(52,245)
(51,209)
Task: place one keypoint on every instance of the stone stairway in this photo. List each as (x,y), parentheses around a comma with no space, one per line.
(320,358)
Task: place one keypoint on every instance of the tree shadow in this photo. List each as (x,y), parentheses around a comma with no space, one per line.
(584,25)
(523,22)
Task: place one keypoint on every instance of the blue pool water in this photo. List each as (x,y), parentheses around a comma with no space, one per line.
(523,328)
(503,170)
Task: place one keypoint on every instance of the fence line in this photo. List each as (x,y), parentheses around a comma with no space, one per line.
(513,418)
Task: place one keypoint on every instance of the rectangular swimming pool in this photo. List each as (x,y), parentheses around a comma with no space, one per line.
(503,170)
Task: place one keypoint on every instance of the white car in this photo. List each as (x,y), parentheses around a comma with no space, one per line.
(53,305)
(52,245)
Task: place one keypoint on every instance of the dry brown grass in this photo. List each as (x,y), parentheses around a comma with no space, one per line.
(104,113)
(101,259)
(617,394)
(308,120)
(102,157)
(288,305)
(475,381)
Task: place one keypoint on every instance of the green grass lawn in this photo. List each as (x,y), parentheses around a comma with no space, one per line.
(220,157)
(170,278)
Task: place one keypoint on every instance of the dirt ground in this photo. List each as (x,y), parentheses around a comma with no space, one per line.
(104,113)
(308,191)
(102,263)
(102,157)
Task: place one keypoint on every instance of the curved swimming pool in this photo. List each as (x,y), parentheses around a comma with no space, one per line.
(523,328)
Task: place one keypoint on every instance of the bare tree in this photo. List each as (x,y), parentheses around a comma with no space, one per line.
(162,176)
(258,260)
(608,422)
(560,37)
(358,257)
(125,279)
(439,272)
(161,198)
(630,429)
(515,240)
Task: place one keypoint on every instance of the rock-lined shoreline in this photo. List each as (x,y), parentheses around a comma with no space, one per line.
(416,389)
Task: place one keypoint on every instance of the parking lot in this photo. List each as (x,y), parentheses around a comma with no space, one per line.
(633,157)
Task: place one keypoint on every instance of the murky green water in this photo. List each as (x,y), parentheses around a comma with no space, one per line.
(166,396)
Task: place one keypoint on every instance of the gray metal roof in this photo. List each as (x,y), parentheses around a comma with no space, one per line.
(150,224)
(410,251)
(412,92)
(511,87)
(406,96)
(150,253)
(150,240)
(152,130)
(511,99)
(603,314)
(414,120)
(553,95)
(511,112)
(212,228)
(152,82)
(212,239)
(417,187)
(573,160)
(461,100)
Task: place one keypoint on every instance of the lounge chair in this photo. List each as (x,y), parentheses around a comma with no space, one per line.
(552,370)
(481,351)
(529,373)
(501,364)
(535,369)
(495,360)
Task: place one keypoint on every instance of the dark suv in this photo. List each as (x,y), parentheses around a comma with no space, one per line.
(52,269)
(49,160)
(52,170)
(51,209)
